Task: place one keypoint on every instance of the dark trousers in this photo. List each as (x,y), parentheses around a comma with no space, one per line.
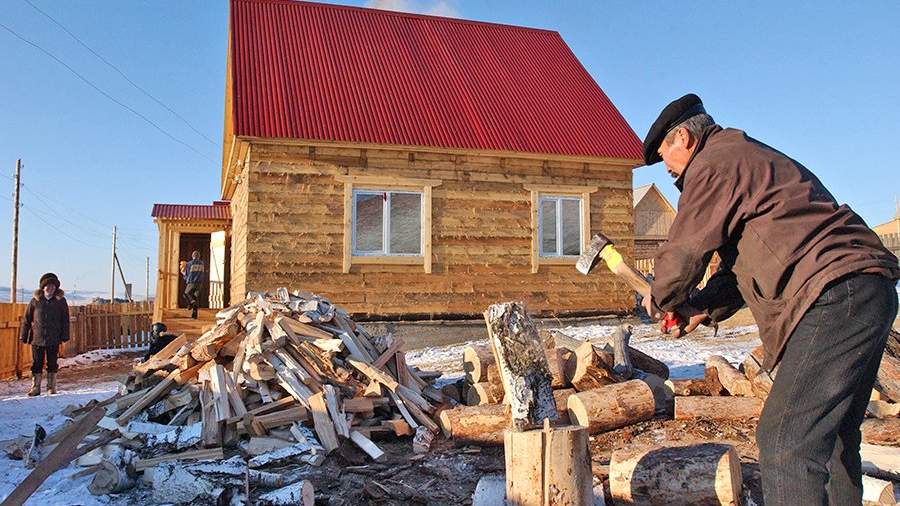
(192,292)
(39,353)
(808,433)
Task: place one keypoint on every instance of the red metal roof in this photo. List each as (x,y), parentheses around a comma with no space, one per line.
(324,72)
(219,210)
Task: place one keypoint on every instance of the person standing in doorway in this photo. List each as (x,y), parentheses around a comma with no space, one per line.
(44,326)
(193,277)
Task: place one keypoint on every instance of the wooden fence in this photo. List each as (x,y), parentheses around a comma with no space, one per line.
(91,327)
(891,242)
(645,265)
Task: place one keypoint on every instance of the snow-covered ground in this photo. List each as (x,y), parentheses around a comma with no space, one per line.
(19,413)
(96,356)
(685,357)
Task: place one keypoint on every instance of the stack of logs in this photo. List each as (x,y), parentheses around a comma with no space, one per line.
(603,385)
(282,378)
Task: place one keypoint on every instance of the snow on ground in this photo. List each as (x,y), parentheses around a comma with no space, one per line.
(97,356)
(19,413)
(685,357)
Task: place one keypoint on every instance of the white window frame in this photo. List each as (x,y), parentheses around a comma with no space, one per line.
(386,222)
(559,225)
(560,191)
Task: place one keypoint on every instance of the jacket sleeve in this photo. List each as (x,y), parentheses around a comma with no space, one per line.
(27,321)
(65,323)
(720,297)
(707,216)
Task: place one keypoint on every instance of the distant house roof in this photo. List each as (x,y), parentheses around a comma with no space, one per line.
(323,72)
(641,191)
(219,210)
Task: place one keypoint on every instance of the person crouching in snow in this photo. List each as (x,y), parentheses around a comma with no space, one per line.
(44,326)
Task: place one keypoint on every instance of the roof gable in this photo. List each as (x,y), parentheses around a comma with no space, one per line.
(641,192)
(322,72)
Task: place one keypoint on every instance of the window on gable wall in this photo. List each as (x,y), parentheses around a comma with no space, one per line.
(559,226)
(387,223)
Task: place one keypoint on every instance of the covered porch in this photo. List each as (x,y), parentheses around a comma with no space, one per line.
(183,229)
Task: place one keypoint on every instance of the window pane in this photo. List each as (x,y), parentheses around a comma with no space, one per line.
(571,227)
(548,226)
(406,223)
(369,222)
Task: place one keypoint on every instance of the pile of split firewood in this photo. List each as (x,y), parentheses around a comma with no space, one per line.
(283,378)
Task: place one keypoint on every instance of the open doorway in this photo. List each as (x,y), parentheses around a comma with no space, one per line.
(187,244)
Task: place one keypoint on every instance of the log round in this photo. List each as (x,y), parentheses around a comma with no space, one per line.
(590,371)
(881,432)
(548,466)
(695,475)
(717,408)
(612,406)
(110,479)
(480,425)
(476,360)
(730,378)
(685,387)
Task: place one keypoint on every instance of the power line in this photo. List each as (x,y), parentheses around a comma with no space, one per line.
(104,93)
(119,71)
(63,232)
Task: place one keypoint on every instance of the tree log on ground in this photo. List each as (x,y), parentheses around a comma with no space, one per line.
(734,382)
(687,387)
(695,475)
(201,482)
(717,408)
(612,406)
(548,466)
(476,360)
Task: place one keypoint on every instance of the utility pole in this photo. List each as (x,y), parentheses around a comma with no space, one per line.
(147,288)
(112,283)
(15,244)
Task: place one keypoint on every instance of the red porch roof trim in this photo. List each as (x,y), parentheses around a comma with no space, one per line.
(219,210)
(302,70)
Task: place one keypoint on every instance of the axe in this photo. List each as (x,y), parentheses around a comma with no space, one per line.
(601,247)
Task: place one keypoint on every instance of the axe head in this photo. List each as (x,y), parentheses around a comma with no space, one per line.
(591,255)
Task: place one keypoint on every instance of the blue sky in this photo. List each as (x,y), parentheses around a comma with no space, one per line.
(818,80)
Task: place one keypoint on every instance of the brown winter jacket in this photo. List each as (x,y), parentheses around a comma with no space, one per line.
(781,236)
(46,322)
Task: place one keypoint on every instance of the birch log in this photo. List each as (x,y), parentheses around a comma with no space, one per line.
(523,364)
(695,475)
(717,408)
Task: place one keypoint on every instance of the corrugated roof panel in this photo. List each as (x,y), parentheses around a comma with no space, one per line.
(347,74)
(220,210)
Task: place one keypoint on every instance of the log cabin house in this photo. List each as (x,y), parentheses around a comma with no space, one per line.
(653,216)
(412,167)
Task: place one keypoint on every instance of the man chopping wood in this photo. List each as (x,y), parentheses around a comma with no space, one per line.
(818,281)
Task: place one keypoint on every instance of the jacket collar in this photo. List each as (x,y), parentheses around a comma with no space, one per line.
(39,294)
(707,132)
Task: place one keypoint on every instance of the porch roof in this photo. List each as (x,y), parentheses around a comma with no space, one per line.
(218,210)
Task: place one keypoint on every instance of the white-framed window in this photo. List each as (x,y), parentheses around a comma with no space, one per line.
(387,223)
(559,226)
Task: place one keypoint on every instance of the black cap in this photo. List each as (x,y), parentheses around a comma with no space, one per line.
(673,115)
(49,278)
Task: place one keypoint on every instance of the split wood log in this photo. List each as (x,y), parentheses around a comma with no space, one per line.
(877,491)
(398,427)
(888,380)
(713,385)
(422,440)
(366,445)
(223,482)
(300,493)
(178,438)
(717,408)
(523,365)
(734,382)
(590,371)
(59,457)
(883,409)
(612,406)
(322,423)
(881,432)
(260,445)
(204,454)
(208,345)
(172,402)
(557,365)
(476,359)
(760,380)
(211,433)
(176,377)
(620,338)
(604,348)
(338,418)
(880,461)
(479,394)
(703,474)
(297,452)
(548,466)
(687,387)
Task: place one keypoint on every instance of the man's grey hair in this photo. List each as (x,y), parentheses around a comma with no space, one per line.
(694,125)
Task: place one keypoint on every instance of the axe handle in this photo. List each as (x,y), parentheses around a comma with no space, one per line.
(629,274)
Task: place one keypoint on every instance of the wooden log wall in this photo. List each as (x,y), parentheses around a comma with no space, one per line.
(288,230)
